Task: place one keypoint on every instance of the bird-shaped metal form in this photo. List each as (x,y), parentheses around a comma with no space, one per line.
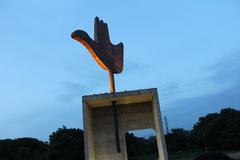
(107,55)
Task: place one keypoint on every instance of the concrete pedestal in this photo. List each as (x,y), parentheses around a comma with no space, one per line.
(136,110)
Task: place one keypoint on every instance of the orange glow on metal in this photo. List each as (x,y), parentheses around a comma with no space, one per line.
(100,63)
(112,83)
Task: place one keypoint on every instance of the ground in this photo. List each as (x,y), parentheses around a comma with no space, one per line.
(188,156)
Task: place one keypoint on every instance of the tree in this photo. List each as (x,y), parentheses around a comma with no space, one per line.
(218,130)
(23,149)
(138,147)
(66,144)
(177,140)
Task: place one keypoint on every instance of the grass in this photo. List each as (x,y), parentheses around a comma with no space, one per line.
(145,157)
(184,155)
(176,156)
(190,155)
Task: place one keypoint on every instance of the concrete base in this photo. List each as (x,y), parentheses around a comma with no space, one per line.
(136,110)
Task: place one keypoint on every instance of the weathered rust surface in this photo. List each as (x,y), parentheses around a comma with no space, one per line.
(107,55)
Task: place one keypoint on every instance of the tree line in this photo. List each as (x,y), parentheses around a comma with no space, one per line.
(215,131)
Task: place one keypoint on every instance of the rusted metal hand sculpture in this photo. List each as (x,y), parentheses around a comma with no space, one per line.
(107,55)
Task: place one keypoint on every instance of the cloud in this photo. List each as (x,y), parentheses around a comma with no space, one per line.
(135,67)
(171,88)
(226,70)
(186,111)
(72,91)
(169,91)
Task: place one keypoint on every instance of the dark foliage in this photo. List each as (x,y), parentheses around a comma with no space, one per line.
(23,149)
(138,147)
(66,144)
(215,131)
(218,130)
(213,156)
(177,140)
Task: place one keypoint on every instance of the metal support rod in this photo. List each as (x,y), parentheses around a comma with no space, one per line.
(112,83)
(115,121)
(114,108)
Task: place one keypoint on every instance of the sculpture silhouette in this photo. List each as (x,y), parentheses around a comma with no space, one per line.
(107,55)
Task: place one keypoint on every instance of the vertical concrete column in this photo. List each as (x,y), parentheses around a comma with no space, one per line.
(88,132)
(162,148)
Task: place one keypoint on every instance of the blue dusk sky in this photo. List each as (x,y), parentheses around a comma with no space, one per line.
(189,50)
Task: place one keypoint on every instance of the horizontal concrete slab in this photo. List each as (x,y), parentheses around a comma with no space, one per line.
(126,97)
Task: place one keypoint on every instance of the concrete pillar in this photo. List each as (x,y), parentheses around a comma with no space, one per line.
(136,110)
